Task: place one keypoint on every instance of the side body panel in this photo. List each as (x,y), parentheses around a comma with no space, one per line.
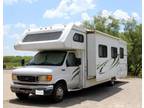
(101,69)
(107,67)
(123,63)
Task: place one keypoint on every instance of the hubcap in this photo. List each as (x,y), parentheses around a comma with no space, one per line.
(59,92)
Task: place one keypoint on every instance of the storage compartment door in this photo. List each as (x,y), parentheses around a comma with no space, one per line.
(91,53)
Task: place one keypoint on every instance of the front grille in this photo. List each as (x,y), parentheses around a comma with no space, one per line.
(28,78)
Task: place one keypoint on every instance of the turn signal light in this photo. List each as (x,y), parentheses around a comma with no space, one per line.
(49,77)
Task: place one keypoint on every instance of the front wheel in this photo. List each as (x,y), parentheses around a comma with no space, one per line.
(58,93)
(22,96)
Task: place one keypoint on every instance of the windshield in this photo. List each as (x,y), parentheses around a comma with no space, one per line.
(48,58)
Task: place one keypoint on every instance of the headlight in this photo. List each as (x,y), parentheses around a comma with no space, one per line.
(45,78)
(14,77)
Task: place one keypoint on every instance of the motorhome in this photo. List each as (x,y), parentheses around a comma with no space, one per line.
(68,58)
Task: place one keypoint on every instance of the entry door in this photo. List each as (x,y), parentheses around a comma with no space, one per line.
(73,70)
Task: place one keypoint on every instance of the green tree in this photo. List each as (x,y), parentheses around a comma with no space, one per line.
(133,36)
(108,25)
(113,27)
(14,61)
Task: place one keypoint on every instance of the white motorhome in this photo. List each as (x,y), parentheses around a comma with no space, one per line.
(69,58)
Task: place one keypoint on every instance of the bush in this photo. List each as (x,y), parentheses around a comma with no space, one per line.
(10,62)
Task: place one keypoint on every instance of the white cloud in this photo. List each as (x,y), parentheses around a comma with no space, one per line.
(6,47)
(11,2)
(68,8)
(120,14)
(16,30)
(136,16)
(108,21)
(85,16)
(6,29)
(78,23)
(12,33)
(105,13)
(20,25)
(32,26)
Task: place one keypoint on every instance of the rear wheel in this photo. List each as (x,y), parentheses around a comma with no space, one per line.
(22,96)
(58,92)
(112,82)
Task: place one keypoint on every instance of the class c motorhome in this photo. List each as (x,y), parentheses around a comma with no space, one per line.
(69,58)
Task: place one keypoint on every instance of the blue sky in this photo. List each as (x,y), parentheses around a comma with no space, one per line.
(22,14)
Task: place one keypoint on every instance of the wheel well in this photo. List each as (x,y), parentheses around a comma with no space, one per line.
(113,78)
(63,82)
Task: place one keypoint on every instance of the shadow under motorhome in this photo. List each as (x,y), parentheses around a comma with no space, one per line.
(69,58)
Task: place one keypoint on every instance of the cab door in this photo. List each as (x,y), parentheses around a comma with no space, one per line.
(73,70)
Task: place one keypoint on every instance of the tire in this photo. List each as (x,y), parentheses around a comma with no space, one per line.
(112,82)
(22,96)
(58,93)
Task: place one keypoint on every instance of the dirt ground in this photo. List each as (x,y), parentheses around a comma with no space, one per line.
(127,93)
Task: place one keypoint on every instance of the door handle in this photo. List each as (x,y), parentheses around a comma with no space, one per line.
(63,69)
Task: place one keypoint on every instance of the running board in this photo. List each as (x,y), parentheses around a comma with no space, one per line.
(91,77)
(75,89)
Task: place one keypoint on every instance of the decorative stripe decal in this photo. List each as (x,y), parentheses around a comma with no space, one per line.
(117,62)
(75,70)
(102,69)
(114,63)
(101,65)
(75,75)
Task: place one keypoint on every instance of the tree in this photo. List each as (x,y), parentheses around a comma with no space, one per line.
(133,36)
(108,25)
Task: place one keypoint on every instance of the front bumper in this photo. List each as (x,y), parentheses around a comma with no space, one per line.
(32,89)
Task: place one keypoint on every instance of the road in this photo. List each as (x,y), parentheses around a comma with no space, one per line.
(127,93)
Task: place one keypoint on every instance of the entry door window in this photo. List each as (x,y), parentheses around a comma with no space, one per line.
(113,52)
(71,60)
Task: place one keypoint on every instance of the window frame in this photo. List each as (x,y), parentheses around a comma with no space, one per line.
(67,59)
(113,55)
(44,36)
(105,53)
(80,39)
(121,56)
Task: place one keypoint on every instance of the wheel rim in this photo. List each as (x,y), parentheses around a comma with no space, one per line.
(112,82)
(59,92)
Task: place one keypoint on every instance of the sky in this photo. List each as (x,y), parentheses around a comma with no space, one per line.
(19,15)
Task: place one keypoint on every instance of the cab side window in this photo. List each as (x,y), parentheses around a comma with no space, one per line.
(78,38)
(71,60)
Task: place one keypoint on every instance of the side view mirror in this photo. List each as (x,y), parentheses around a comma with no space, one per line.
(22,62)
(78,61)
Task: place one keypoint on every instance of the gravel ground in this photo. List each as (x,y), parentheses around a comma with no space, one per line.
(127,93)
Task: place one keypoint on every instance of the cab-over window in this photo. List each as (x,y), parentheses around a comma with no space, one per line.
(78,37)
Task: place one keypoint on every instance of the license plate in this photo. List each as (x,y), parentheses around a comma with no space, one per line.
(39,92)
